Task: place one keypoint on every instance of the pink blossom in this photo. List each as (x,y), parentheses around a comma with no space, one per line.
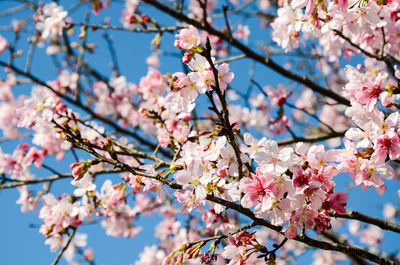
(396,73)
(228,161)
(390,212)
(274,160)
(35,156)
(88,254)
(254,188)
(323,257)
(151,255)
(263,4)
(337,202)
(386,144)
(286,27)
(26,199)
(51,20)
(370,175)
(224,76)
(242,32)
(317,157)
(193,179)
(290,231)
(372,236)
(252,145)
(3,44)
(187,38)
(153,60)
(364,88)
(79,169)
(278,95)
(188,200)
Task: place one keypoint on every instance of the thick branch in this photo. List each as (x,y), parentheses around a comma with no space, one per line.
(336,239)
(383,224)
(312,139)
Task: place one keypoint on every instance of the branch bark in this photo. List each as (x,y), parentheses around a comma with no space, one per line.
(383,224)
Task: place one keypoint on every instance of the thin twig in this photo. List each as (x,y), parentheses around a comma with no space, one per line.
(137,30)
(59,255)
(383,224)
(50,179)
(312,139)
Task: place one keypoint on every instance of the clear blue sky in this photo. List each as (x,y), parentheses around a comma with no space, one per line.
(22,244)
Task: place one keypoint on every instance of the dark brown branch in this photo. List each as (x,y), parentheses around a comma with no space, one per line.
(18,183)
(312,139)
(336,239)
(383,224)
(30,54)
(224,114)
(234,11)
(230,59)
(137,30)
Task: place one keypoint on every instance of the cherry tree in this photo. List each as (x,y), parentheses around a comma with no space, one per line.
(248,145)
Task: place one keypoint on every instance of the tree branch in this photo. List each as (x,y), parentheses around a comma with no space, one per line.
(51,178)
(58,257)
(383,224)
(137,30)
(312,139)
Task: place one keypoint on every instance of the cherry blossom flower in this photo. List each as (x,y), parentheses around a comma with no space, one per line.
(3,44)
(224,76)
(390,212)
(286,27)
(79,169)
(273,159)
(187,38)
(277,96)
(193,179)
(151,255)
(51,20)
(386,144)
(242,32)
(252,145)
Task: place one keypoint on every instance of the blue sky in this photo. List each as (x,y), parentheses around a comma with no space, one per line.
(20,241)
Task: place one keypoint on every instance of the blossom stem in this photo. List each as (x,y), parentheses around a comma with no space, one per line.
(58,257)
(137,30)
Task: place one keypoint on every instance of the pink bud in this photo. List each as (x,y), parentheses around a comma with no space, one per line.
(79,169)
